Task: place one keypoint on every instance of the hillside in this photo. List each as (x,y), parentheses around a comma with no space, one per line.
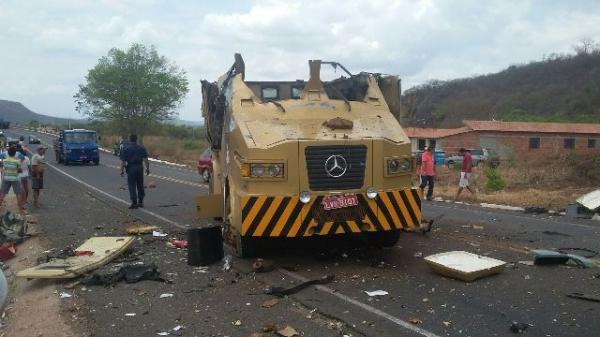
(559,88)
(16,112)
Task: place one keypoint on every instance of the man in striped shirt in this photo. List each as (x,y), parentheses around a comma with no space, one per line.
(11,167)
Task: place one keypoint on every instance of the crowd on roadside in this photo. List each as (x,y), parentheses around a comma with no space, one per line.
(18,166)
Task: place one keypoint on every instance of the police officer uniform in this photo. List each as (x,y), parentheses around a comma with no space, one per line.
(133,155)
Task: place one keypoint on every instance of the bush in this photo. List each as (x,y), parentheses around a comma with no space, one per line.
(493,181)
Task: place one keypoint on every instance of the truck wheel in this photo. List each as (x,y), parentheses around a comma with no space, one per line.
(97,162)
(384,238)
(66,161)
(245,247)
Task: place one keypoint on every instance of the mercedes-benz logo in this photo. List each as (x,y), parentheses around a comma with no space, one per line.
(336,166)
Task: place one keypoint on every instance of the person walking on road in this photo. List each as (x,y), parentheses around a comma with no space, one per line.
(132,158)
(427,172)
(37,174)
(11,168)
(465,172)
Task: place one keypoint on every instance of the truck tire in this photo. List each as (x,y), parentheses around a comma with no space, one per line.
(97,162)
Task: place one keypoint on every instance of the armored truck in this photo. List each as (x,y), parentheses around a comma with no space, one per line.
(304,159)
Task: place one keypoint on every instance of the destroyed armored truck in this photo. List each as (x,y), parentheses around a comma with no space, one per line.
(312,158)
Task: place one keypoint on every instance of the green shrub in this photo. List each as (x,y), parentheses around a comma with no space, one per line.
(493,181)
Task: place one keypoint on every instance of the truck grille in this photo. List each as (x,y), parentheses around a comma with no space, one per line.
(353,178)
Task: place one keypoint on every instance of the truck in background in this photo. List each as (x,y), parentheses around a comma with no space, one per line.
(305,159)
(76,145)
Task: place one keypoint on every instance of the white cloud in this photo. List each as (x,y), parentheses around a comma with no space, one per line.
(49,46)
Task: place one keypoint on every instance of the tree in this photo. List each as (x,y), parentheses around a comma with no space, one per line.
(132,89)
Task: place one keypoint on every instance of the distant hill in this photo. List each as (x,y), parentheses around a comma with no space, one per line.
(561,88)
(16,112)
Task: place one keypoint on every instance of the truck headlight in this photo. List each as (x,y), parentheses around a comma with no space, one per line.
(262,170)
(371,192)
(398,165)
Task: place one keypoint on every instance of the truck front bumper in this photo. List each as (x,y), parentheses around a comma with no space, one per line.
(287,216)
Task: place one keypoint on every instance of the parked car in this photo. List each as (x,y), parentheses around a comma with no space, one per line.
(34,140)
(478,156)
(205,168)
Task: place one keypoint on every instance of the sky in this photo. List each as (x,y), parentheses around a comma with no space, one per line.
(47,47)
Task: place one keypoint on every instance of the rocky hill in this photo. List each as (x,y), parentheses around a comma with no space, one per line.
(561,88)
(16,112)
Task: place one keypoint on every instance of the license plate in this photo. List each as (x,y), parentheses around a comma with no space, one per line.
(339,201)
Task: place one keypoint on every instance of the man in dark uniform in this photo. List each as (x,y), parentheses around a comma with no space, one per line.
(132,158)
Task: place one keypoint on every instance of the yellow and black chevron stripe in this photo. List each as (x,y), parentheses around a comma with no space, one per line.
(284,216)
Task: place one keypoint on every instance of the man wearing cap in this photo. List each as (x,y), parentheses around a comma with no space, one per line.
(427,171)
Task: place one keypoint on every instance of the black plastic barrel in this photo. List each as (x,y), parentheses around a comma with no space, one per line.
(205,246)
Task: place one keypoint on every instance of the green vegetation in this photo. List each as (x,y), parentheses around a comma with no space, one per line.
(493,181)
(133,90)
(560,88)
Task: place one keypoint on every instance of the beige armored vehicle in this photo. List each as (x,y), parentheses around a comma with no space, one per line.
(305,159)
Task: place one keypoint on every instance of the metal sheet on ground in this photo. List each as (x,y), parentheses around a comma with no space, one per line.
(104,250)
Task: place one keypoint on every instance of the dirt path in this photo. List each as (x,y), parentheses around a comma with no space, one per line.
(33,308)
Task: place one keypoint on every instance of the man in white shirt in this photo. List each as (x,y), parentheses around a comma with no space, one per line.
(37,174)
(24,176)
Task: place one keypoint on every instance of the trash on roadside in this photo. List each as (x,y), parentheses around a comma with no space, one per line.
(535,210)
(550,257)
(165,295)
(205,246)
(463,265)
(527,263)
(418,254)
(288,331)
(270,303)
(227,263)
(134,230)
(130,314)
(179,243)
(64,295)
(7,251)
(586,297)
(105,249)
(576,211)
(175,331)
(12,229)
(516,327)
(263,266)
(158,234)
(281,292)
(415,321)
(591,201)
(128,273)
(376,293)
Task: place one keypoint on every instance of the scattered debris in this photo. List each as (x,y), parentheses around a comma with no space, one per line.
(516,327)
(281,292)
(227,263)
(64,295)
(415,321)
(535,210)
(12,229)
(502,207)
(464,265)
(158,234)
(152,184)
(165,295)
(576,211)
(581,296)
(179,243)
(7,251)
(270,303)
(590,201)
(418,254)
(555,233)
(288,331)
(269,327)
(237,323)
(527,263)
(168,205)
(549,257)
(129,273)
(263,266)
(447,323)
(133,230)
(376,293)
(130,314)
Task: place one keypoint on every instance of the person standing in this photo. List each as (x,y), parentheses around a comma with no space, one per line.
(37,174)
(465,172)
(24,176)
(133,157)
(10,178)
(427,172)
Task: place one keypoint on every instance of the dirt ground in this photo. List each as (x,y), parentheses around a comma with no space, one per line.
(33,308)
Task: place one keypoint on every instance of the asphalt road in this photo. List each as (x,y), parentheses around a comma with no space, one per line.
(82,201)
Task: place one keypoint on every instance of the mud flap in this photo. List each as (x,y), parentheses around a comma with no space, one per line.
(209,206)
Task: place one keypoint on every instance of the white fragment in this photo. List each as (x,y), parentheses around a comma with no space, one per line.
(64,295)
(159,234)
(130,314)
(376,293)
(165,295)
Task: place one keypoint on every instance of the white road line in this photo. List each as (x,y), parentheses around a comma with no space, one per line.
(184,182)
(364,306)
(143,210)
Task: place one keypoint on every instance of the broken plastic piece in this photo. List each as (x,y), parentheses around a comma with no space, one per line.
(464,265)
(288,331)
(159,234)
(141,229)
(281,292)
(377,293)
